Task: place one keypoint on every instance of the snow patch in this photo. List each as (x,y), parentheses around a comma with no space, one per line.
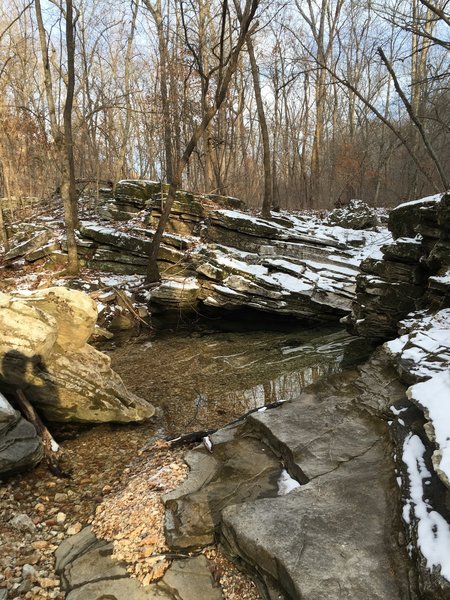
(433,531)
(286,483)
(434,397)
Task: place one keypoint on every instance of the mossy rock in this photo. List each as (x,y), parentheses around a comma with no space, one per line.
(185,203)
(226,201)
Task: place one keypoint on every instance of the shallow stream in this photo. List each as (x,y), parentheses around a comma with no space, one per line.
(203,378)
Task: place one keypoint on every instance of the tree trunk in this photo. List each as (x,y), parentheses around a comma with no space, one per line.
(68,189)
(3,232)
(268,181)
(227,67)
(63,139)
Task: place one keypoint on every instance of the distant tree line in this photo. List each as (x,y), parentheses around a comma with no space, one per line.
(326,100)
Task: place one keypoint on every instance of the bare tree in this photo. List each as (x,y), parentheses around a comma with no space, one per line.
(415,119)
(267,161)
(62,135)
(224,70)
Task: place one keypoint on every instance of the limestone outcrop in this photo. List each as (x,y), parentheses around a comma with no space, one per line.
(411,273)
(44,351)
(286,265)
(295,267)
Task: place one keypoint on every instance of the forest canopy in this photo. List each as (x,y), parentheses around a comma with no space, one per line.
(329,100)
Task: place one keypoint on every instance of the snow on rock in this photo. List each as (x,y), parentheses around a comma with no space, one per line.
(423,349)
(307,280)
(433,531)
(177,293)
(433,397)
(286,483)
(426,200)
(422,353)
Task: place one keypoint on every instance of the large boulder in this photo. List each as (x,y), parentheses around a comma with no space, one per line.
(33,331)
(418,216)
(44,351)
(75,314)
(20,447)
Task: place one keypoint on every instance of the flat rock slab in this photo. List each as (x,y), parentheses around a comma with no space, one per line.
(334,537)
(88,572)
(239,469)
(328,539)
(316,433)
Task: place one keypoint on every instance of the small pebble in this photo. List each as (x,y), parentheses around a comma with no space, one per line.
(61,518)
(74,529)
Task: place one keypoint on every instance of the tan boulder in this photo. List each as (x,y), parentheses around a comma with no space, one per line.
(75,313)
(81,386)
(25,328)
(43,351)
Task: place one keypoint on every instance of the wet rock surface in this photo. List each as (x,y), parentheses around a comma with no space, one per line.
(334,441)
(239,469)
(335,541)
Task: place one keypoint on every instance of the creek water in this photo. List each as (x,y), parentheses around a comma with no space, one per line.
(202,378)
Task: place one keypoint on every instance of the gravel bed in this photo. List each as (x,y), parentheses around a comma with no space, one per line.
(114,473)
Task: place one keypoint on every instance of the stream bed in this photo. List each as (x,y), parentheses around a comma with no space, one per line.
(197,379)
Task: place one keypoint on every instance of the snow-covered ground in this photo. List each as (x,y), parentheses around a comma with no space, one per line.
(423,354)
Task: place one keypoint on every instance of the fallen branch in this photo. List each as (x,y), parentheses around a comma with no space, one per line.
(126,303)
(197,436)
(52,450)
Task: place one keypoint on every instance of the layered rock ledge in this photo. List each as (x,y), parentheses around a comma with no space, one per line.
(214,257)
(411,273)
